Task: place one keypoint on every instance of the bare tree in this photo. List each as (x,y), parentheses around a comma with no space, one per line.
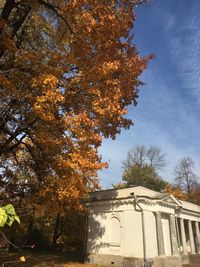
(156,158)
(137,156)
(185,176)
(140,155)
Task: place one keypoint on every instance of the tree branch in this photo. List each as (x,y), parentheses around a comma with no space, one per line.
(9,5)
(19,17)
(54,9)
(14,69)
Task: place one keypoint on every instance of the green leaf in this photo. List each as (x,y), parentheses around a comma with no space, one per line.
(3,217)
(9,209)
(11,215)
(10,220)
(17,219)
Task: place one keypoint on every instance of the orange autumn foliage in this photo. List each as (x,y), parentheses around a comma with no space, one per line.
(176,192)
(68,71)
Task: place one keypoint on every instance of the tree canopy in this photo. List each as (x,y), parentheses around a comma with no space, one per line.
(68,71)
(141,168)
(143,176)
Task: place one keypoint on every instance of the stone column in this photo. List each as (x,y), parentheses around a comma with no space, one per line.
(174,240)
(192,246)
(183,239)
(198,236)
(159,234)
(178,234)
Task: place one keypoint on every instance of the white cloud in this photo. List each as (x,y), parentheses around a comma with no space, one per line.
(184,40)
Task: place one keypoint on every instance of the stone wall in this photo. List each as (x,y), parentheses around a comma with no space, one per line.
(119,261)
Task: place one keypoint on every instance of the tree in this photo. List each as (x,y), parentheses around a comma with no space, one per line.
(141,168)
(143,176)
(195,194)
(185,177)
(141,156)
(176,192)
(68,70)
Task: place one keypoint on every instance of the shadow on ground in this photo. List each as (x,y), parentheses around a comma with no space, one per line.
(40,260)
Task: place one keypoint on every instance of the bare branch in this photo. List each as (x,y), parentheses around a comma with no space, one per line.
(184,174)
(14,69)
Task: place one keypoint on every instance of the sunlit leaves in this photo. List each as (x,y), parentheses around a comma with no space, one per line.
(67,76)
(8,215)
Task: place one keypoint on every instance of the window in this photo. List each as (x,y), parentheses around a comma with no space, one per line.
(115,231)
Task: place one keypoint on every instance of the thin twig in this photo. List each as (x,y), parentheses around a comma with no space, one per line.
(14,69)
(3,189)
(10,241)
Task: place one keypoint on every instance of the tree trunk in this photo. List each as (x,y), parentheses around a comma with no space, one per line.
(29,232)
(58,228)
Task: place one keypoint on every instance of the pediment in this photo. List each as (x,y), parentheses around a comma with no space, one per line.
(170,199)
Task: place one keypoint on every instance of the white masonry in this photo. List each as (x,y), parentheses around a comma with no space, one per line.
(140,227)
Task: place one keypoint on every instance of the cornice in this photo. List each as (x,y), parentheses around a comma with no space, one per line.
(117,202)
(178,208)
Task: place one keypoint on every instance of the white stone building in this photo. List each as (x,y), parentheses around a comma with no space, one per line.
(140,227)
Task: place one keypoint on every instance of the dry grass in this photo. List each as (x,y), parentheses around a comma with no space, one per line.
(40,260)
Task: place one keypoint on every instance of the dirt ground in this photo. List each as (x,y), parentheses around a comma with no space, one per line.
(26,259)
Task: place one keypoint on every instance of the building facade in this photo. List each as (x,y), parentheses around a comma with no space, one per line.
(140,227)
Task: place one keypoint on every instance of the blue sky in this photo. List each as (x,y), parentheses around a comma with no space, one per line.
(168,110)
